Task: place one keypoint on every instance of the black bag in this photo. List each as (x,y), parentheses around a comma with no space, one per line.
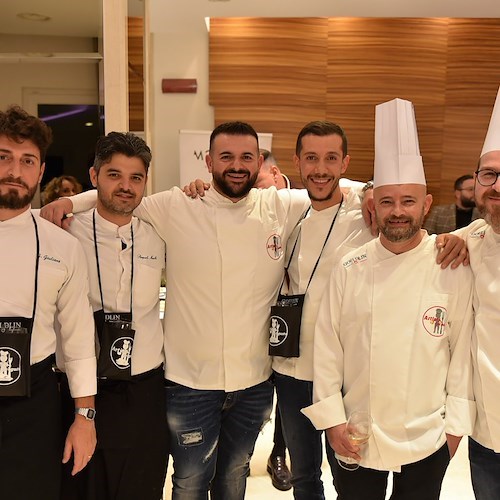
(116,340)
(284,328)
(15,351)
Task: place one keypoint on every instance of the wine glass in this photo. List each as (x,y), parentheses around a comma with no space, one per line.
(358,431)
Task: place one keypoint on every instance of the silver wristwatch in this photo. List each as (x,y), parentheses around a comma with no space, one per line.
(88,413)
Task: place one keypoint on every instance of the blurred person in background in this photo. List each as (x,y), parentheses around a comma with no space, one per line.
(64,185)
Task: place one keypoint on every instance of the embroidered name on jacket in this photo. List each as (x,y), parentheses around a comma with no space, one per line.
(354,260)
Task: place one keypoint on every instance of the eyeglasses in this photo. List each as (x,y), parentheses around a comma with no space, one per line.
(487,177)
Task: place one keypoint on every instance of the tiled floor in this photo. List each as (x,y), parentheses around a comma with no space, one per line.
(456,484)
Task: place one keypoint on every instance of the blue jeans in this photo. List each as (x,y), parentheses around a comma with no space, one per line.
(213,436)
(302,439)
(485,471)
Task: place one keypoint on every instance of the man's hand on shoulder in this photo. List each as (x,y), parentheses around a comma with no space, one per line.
(196,188)
(59,212)
(452,250)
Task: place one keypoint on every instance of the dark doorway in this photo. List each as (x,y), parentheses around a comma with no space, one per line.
(76,128)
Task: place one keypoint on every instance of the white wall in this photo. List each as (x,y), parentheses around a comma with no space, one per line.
(19,75)
(182,53)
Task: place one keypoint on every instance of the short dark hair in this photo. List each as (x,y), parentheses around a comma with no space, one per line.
(233,128)
(18,125)
(321,128)
(127,144)
(461,180)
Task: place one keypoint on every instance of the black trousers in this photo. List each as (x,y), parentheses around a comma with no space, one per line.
(417,481)
(130,461)
(31,439)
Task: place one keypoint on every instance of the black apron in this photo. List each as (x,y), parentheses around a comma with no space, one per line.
(15,345)
(286,315)
(114,330)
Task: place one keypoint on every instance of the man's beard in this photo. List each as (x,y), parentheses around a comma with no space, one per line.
(326,196)
(116,208)
(397,234)
(12,200)
(234,192)
(491,217)
(467,202)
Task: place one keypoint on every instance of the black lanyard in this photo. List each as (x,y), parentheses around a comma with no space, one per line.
(322,249)
(99,269)
(37,264)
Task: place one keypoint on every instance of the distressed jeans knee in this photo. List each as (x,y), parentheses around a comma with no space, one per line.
(213,435)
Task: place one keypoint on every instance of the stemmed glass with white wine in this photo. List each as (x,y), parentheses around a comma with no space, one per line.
(358,431)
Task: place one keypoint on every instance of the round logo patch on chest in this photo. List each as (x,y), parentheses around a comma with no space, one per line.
(274,246)
(434,320)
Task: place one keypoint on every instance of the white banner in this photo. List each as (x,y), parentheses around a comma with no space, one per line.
(193,147)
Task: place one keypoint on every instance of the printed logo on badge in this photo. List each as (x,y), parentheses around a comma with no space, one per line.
(10,366)
(434,320)
(121,352)
(274,246)
(278,331)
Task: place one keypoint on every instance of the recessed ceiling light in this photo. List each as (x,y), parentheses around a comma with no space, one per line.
(89,124)
(33,16)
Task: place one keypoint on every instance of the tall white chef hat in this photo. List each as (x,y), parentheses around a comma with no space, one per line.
(397,154)
(492,141)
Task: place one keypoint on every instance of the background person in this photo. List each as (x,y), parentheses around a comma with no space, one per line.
(65,185)
(270,174)
(447,218)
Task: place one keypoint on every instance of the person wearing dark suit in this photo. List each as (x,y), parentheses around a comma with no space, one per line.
(447,218)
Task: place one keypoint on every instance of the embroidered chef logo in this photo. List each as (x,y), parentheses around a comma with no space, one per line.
(278,331)
(10,365)
(121,352)
(434,320)
(274,246)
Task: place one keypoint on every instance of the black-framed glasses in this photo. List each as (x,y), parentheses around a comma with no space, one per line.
(487,177)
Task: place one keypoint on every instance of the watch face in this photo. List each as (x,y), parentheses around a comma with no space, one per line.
(90,414)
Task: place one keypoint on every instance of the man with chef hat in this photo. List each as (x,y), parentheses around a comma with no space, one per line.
(376,345)
(483,242)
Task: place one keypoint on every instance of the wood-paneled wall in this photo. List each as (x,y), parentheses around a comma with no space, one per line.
(136,73)
(278,74)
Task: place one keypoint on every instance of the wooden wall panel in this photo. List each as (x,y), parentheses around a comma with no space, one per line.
(374,60)
(269,73)
(136,73)
(473,69)
(340,68)
(262,63)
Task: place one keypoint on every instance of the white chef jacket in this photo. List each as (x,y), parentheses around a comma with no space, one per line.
(484,251)
(62,291)
(115,268)
(393,338)
(224,266)
(349,232)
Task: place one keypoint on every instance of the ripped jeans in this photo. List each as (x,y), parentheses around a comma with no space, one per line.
(213,436)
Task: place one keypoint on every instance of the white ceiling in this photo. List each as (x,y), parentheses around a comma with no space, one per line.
(82,18)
